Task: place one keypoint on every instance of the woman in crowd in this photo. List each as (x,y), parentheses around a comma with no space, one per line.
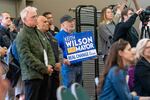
(142,68)
(113,85)
(107,26)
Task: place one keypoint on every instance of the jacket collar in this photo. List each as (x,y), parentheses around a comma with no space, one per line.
(2,28)
(145,61)
(31,29)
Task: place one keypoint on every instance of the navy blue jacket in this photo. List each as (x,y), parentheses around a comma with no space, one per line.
(6,37)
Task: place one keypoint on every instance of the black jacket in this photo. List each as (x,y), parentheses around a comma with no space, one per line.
(54,45)
(142,77)
(55,31)
(126,31)
(6,37)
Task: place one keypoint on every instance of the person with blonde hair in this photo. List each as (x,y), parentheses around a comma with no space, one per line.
(142,68)
(107,26)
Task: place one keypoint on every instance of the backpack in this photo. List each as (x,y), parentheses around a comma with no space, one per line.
(12,61)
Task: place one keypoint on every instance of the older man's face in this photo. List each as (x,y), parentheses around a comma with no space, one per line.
(31,19)
(43,24)
(69,26)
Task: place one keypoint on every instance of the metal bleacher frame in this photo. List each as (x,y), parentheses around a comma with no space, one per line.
(86,20)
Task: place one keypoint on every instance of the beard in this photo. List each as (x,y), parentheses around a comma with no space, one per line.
(70,29)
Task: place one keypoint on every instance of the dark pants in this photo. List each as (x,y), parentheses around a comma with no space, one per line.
(53,85)
(36,89)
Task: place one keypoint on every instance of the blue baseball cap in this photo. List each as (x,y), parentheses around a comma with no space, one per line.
(66,18)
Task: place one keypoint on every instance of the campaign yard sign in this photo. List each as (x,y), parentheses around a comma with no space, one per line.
(80,46)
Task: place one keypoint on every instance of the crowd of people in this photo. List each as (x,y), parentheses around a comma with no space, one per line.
(33,49)
(126,56)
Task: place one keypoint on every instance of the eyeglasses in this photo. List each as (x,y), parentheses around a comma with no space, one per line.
(35,16)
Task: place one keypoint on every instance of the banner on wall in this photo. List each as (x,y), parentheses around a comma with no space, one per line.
(80,46)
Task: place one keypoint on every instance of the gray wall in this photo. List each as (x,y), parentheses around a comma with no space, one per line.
(58,7)
(61,7)
(8,6)
(12,6)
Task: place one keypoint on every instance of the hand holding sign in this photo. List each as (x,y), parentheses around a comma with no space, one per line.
(66,61)
(79,47)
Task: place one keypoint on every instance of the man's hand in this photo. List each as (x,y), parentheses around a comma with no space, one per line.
(3,51)
(50,69)
(12,27)
(66,61)
(120,6)
(57,66)
(139,11)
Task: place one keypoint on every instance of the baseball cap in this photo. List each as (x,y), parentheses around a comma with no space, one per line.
(66,18)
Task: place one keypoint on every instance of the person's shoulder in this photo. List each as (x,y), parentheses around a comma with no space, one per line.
(59,34)
(2,30)
(120,23)
(21,34)
(141,63)
(1,27)
(112,70)
(115,70)
(21,31)
(56,29)
(114,67)
(101,25)
(141,67)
